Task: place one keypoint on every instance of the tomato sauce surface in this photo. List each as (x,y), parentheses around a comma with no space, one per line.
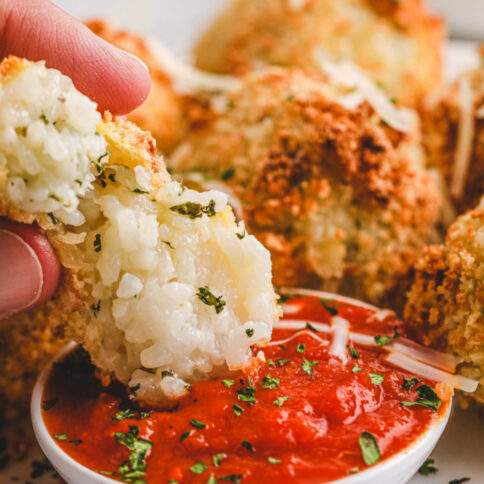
(297,416)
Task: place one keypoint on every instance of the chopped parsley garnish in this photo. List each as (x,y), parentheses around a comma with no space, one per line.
(206,296)
(385,340)
(356,369)
(96,307)
(228,383)
(48,404)
(218,458)
(212,479)
(124,414)
(354,470)
(100,164)
(273,460)
(279,401)
(197,424)
(76,442)
(409,383)
(247,394)
(198,468)
(376,378)
(228,174)
(428,468)
(106,473)
(235,478)
(166,373)
(62,437)
(353,352)
(241,235)
(237,409)
(173,481)
(270,382)
(311,327)
(112,177)
(97,243)
(133,470)
(330,309)
(283,298)
(185,436)
(460,481)
(307,366)
(426,398)
(53,218)
(301,348)
(139,190)
(250,332)
(195,210)
(279,362)
(43,117)
(369,448)
(247,445)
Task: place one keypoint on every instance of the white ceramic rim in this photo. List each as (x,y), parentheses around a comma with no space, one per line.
(418,449)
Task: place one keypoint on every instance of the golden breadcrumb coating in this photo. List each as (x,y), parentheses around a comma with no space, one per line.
(445,308)
(161,113)
(453,135)
(398,43)
(341,199)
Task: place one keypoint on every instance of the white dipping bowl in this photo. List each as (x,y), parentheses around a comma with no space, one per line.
(394,470)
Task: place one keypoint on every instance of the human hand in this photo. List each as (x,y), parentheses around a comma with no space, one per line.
(116,80)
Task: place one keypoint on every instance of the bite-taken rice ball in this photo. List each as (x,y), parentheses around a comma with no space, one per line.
(453,128)
(445,308)
(160,284)
(326,172)
(398,43)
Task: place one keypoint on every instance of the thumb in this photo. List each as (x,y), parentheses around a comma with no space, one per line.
(29,271)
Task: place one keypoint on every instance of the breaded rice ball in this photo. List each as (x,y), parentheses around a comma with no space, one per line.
(161,114)
(445,308)
(398,43)
(453,128)
(340,198)
(158,284)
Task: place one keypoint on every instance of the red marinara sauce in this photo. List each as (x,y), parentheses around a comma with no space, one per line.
(301,416)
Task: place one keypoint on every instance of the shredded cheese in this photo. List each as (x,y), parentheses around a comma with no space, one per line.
(297,335)
(465,138)
(341,331)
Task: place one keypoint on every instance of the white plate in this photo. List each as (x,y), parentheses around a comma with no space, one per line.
(177,23)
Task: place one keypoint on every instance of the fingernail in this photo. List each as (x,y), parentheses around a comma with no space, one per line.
(21,278)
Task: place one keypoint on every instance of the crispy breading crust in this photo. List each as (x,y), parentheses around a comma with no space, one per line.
(30,339)
(445,308)
(301,164)
(398,43)
(161,113)
(440,123)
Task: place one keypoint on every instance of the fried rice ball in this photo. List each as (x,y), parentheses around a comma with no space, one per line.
(445,308)
(340,198)
(399,44)
(453,134)
(157,285)
(162,113)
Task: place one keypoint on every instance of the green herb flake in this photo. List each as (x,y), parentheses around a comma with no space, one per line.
(247,445)
(62,437)
(195,210)
(273,460)
(250,332)
(96,307)
(426,398)
(269,382)
(184,436)
(428,468)
(140,191)
(235,478)
(133,470)
(43,117)
(383,340)
(278,363)
(376,378)
(106,473)
(198,468)
(97,243)
(197,424)
(307,366)
(460,481)
(353,352)
(354,470)
(124,414)
(218,458)
(208,298)
(112,177)
(356,369)
(329,308)
(301,348)
(100,163)
(53,218)
(173,481)
(48,404)
(228,174)
(212,479)
(228,383)
(237,409)
(76,442)
(247,394)
(409,383)
(369,448)
(241,235)
(280,401)
(311,327)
